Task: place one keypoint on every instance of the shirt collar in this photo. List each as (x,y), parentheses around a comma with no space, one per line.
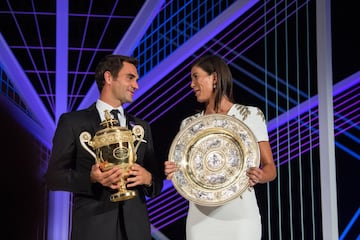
(102,106)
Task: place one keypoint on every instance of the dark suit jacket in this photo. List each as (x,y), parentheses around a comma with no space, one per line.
(94,216)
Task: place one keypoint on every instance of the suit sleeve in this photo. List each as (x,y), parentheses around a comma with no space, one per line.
(63,172)
(153,165)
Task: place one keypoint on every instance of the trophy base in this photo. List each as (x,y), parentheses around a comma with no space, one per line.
(121,196)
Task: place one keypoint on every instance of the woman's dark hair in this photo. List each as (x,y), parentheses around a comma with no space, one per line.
(224,86)
(113,64)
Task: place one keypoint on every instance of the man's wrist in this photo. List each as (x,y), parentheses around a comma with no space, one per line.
(148,185)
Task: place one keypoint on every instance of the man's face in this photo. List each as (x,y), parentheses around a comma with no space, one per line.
(125,83)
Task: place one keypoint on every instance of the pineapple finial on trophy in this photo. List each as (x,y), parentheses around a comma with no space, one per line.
(109,122)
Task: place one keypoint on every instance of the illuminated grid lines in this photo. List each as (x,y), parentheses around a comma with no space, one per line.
(176,23)
(345,121)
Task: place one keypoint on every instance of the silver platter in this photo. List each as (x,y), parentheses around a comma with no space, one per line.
(213,153)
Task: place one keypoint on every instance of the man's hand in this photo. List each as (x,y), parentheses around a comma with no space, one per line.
(110,178)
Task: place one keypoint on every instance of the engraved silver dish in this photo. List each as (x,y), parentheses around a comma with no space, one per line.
(213,153)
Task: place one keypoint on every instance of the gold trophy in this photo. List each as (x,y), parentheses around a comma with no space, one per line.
(114,146)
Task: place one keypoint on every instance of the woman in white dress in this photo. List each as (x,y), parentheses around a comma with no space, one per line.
(212,83)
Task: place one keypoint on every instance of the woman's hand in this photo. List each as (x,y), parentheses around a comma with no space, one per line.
(255,175)
(170,168)
(267,171)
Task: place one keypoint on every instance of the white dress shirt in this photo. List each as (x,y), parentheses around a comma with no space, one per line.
(102,106)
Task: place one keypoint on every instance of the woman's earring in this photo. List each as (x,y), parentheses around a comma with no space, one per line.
(214,86)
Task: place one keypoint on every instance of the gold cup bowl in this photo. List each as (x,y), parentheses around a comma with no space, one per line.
(114,146)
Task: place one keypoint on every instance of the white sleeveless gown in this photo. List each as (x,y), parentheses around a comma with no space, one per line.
(240,217)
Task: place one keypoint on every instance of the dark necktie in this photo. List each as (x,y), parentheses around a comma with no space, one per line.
(115,113)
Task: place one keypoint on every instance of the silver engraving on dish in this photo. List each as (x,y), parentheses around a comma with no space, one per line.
(213,153)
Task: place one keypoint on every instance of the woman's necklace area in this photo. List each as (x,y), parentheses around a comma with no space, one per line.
(223,109)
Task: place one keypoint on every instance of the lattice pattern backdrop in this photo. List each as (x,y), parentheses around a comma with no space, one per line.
(49,50)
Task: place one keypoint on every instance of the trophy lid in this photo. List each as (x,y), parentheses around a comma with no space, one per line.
(109,122)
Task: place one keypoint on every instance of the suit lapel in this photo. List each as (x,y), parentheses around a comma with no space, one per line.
(130,120)
(94,118)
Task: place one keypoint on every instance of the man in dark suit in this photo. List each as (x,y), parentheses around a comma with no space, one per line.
(72,168)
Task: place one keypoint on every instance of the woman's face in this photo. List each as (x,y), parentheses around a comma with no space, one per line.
(202,84)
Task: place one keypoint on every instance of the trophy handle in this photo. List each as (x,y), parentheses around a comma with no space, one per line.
(85,137)
(138,132)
